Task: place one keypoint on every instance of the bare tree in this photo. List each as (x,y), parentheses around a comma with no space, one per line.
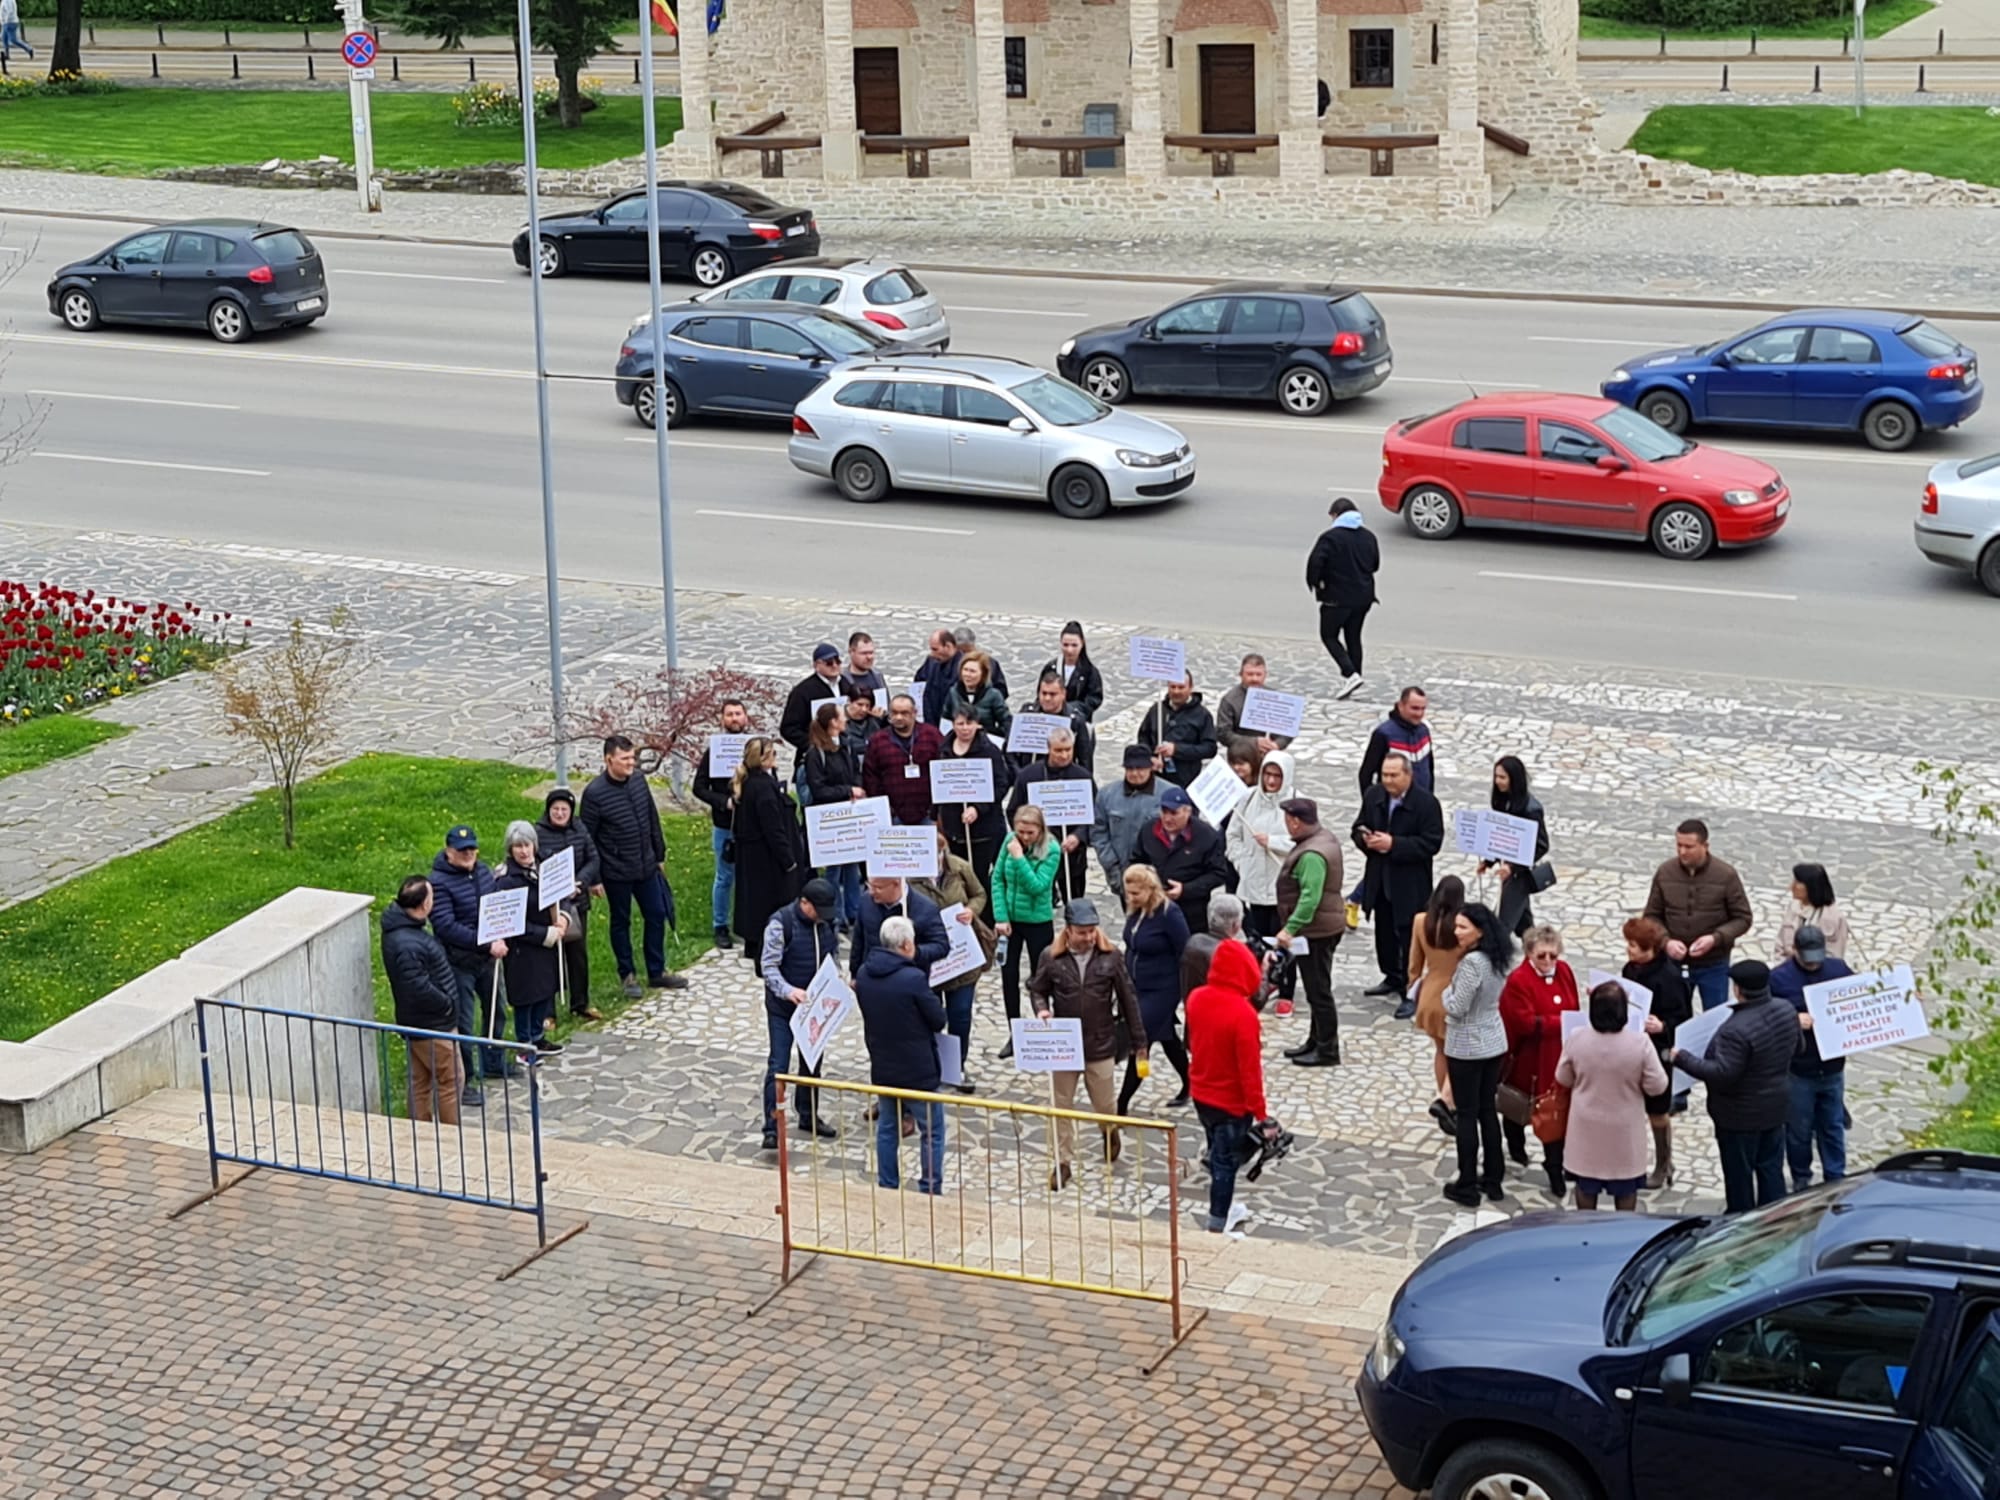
(670,715)
(21,416)
(288,700)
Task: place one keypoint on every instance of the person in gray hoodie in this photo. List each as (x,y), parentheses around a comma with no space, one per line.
(1125,809)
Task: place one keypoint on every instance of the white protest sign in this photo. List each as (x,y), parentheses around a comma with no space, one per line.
(839,833)
(1029,733)
(1509,839)
(1638,999)
(725,753)
(1693,1036)
(1064,804)
(1051,1046)
(1157,659)
(914,691)
(503,914)
(1281,714)
(1216,791)
(899,852)
(1467,826)
(1573,1020)
(967,778)
(1866,1011)
(951,1064)
(558,877)
(828,1002)
(965,954)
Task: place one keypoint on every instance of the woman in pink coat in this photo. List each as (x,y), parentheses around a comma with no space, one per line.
(1609,1071)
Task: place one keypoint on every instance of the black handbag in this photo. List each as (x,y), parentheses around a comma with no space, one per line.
(1541,875)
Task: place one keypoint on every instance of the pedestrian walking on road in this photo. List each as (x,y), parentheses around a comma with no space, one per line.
(1610,1072)
(1124,809)
(1819,1084)
(1156,934)
(1226,1074)
(1180,732)
(1251,744)
(1647,964)
(1341,574)
(1435,952)
(1812,906)
(1083,684)
(711,789)
(1475,1049)
(426,995)
(1404,732)
(770,862)
(795,942)
(1082,977)
(11,33)
(1024,874)
(1186,853)
(1701,902)
(1310,908)
(897,765)
(1533,1002)
(1747,1067)
(901,1019)
(621,817)
(1400,830)
(533,969)
(560,829)
(1517,882)
(459,882)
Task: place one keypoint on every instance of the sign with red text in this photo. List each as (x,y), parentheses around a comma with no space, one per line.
(1866,1011)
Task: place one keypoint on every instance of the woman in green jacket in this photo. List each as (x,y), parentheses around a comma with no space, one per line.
(1023,913)
(975,690)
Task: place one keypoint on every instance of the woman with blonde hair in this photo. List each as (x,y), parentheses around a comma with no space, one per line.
(1156,934)
(769,862)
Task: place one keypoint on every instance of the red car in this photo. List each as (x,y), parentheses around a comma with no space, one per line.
(1539,462)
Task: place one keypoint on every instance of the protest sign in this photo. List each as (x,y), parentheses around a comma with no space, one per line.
(725,753)
(1051,1046)
(1468,829)
(951,1060)
(1866,1011)
(558,881)
(1267,712)
(1064,804)
(1638,999)
(1029,733)
(828,1003)
(965,954)
(1693,1036)
(503,914)
(897,853)
(965,779)
(1216,791)
(839,833)
(1158,660)
(1494,835)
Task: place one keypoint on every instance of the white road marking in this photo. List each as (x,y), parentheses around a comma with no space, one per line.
(677,442)
(1550,338)
(763,515)
(1473,384)
(420,276)
(1019,312)
(139,346)
(140,400)
(1657,588)
(153,463)
(322,559)
(1292,424)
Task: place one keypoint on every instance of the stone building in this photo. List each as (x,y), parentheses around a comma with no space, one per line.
(1258,108)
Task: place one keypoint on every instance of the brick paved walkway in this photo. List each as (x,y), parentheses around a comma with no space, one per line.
(296,1339)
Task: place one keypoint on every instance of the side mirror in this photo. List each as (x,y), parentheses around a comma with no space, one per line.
(115,263)
(1020,424)
(1722,358)
(1611,463)
(1676,1380)
(1150,331)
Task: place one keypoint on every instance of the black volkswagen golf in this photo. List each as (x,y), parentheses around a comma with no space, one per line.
(234,277)
(1304,346)
(709,232)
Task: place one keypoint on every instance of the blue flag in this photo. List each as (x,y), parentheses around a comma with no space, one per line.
(717,9)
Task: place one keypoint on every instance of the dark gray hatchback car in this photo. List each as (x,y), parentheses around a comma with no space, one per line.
(234,277)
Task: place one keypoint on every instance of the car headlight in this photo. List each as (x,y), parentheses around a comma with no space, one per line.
(1386,1355)
(1621,373)
(1068,348)
(1132,458)
(1740,497)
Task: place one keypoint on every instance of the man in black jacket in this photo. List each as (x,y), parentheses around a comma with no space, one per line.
(459,881)
(1341,574)
(621,817)
(426,996)
(1401,830)
(1180,732)
(1186,854)
(1747,1067)
(713,792)
(795,724)
(1051,699)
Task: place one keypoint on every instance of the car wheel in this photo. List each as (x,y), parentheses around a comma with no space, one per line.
(551,257)
(1303,391)
(1665,409)
(228,322)
(642,405)
(1889,426)
(1989,569)
(710,265)
(1079,493)
(1106,379)
(861,475)
(79,310)
(1682,531)
(1507,1469)
(1431,512)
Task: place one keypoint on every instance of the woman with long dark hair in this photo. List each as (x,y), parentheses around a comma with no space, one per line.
(1475,1049)
(1434,956)
(1647,964)
(1812,906)
(1083,684)
(769,869)
(975,828)
(833,774)
(1510,795)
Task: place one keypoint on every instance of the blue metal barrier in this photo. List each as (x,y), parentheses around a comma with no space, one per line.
(277,1082)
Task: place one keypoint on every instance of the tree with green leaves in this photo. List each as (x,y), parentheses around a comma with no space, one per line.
(573,30)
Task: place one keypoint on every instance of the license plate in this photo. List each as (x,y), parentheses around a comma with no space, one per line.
(1784,505)
(795,229)
(1185,471)
(1383,368)
(311,304)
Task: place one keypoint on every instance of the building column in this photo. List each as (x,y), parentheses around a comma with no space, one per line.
(1145,149)
(1461,147)
(1300,154)
(840,140)
(694,146)
(992,142)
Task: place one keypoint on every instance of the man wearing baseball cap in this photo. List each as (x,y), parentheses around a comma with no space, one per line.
(799,937)
(822,686)
(1310,907)
(1123,809)
(1341,574)
(1186,853)
(458,882)
(1819,1084)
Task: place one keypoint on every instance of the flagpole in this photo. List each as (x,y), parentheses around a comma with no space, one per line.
(646,23)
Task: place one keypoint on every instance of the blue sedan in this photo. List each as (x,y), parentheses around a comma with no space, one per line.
(744,359)
(1886,374)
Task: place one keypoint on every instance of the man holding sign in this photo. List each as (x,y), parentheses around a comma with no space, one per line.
(459,882)
(1180,732)
(1819,1083)
(1230,727)
(798,940)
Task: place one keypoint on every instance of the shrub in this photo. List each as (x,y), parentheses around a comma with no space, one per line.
(480,105)
(1715,15)
(207,14)
(17,86)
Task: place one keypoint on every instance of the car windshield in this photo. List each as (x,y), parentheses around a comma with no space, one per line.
(1059,402)
(1932,343)
(1651,442)
(839,336)
(1737,1258)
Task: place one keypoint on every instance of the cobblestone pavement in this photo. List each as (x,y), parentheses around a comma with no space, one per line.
(1783,771)
(1536,241)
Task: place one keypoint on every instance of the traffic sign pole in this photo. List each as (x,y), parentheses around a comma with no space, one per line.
(358,49)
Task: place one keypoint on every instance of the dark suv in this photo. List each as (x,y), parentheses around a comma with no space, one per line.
(1842,1344)
(1300,345)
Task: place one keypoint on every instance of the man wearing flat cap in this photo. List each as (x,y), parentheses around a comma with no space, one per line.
(1310,906)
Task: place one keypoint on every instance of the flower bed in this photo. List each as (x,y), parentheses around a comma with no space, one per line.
(62,651)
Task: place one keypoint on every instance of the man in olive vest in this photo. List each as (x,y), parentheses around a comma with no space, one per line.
(1310,906)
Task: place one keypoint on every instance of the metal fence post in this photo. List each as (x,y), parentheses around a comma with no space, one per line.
(235,66)
(309,67)
(156,65)
(207,1092)
(535,1135)
(1725,78)
(1815,87)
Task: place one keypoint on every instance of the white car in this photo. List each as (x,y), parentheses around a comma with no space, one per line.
(1959,523)
(879,292)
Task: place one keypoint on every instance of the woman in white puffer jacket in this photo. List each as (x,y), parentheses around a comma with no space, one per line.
(1257,847)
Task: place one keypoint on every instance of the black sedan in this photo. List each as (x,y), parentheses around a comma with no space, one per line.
(709,232)
(234,277)
(745,359)
(1301,345)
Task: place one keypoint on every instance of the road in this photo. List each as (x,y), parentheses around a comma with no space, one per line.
(404,427)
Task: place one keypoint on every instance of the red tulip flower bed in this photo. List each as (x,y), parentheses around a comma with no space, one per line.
(61,650)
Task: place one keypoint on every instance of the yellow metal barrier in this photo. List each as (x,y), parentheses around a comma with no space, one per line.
(1026,1192)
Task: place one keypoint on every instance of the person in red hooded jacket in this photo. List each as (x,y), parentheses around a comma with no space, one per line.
(1531,1007)
(1226,1073)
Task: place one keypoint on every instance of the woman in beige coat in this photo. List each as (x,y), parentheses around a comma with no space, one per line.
(1434,956)
(1609,1070)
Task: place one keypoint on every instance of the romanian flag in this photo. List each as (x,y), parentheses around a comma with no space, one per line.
(663,17)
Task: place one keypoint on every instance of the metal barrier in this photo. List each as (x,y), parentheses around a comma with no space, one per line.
(319,1096)
(1012,1203)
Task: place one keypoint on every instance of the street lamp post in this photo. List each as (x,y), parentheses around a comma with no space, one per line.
(659,334)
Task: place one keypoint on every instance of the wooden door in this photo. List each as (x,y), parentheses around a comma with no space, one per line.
(878,90)
(1229,89)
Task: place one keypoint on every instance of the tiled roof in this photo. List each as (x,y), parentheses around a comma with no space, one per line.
(1017,12)
(1198,15)
(884,15)
(1369,7)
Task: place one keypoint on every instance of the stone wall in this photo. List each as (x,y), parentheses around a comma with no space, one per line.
(1527,85)
(497,178)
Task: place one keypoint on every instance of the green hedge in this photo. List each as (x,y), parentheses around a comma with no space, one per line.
(204,13)
(1716,15)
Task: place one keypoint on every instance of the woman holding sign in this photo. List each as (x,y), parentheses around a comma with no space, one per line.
(1517,882)
(833,774)
(1023,913)
(974,826)
(769,868)
(534,972)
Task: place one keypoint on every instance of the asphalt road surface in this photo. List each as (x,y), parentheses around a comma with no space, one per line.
(404,427)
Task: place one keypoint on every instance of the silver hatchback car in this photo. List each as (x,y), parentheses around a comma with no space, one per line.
(1959,523)
(979,425)
(881,293)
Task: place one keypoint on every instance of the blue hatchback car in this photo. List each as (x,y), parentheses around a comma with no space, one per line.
(744,359)
(1886,374)
(1840,1344)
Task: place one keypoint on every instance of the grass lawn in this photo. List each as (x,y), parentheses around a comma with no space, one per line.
(1826,138)
(1882,16)
(362,827)
(136,131)
(40,741)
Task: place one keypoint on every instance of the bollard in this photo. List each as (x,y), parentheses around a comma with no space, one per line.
(235,66)
(396,69)
(1753,41)
(309,38)
(3,65)
(156,65)
(226,40)
(635,71)
(1815,87)
(1663,41)
(93,36)
(472,69)
(1846,41)
(1725,78)
(1940,41)
(1920,80)
(310,75)
(160,31)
